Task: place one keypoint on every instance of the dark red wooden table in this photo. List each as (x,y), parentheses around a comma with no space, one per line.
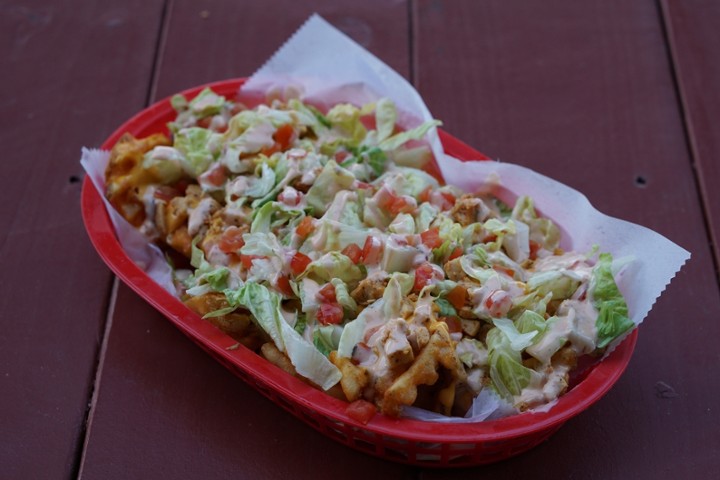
(619,99)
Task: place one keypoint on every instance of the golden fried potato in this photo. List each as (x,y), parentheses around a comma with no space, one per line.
(354,378)
(273,355)
(126,178)
(238,324)
(439,352)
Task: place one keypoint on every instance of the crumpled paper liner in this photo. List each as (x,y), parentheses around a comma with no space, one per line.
(323,66)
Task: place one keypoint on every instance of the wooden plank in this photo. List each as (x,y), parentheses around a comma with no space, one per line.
(692,28)
(165,408)
(197,52)
(583,92)
(70,73)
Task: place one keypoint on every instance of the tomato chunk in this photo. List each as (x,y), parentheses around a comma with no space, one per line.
(327,294)
(330,314)
(283,285)
(283,136)
(247,260)
(165,193)
(423,275)
(534,248)
(305,227)
(341,156)
(372,250)
(231,240)
(399,205)
(456,253)
(216,176)
(425,195)
(299,262)
(449,197)
(431,238)
(361,411)
(353,252)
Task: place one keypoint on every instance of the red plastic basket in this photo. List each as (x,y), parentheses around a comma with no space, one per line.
(402,440)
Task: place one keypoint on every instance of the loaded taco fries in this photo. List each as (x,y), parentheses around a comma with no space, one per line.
(317,240)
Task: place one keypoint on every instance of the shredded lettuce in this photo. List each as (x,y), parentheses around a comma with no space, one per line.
(333,265)
(331,180)
(402,138)
(508,374)
(350,307)
(397,289)
(192,143)
(206,103)
(613,320)
(265,308)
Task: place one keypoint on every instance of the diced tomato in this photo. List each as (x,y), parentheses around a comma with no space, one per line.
(449,197)
(456,253)
(283,284)
(247,260)
(453,323)
(361,411)
(505,270)
(299,263)
(216,176)
(165,193)
(457,297)
(340,156)
(425,195)
(442,200)
(400,205)
(327,294)
(489,238)
(267,151)
(305,227)
(204,122)
(231,240)
(498,303)
(423,274)
(353,252)
(283,136)
(534,247)
(387,200)
(330,314)
(372,250)
(431,238)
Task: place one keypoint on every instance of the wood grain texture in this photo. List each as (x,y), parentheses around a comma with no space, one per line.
(164,408)
(583,92)
(694,36)
(69,75)
(212,40)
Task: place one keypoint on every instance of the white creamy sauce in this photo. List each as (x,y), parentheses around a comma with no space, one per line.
(200,214)
(255,138)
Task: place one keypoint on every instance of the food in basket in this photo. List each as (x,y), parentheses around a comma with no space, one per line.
(317,240)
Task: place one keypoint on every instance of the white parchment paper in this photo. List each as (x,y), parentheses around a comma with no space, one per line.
(323,66)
